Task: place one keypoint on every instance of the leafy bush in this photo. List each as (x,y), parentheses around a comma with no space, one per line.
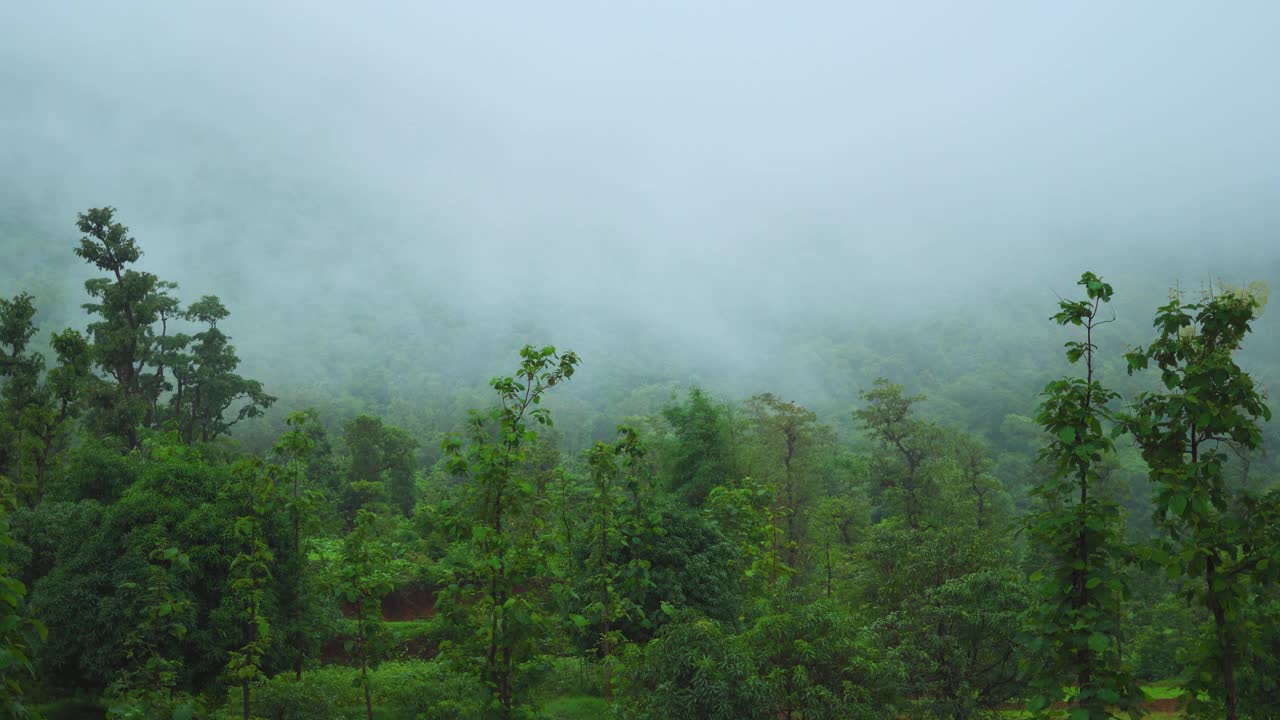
(1172,627)
(815,661)
(317,696)
(412,690)
(427,691)
(694,669)
(571,676)
(821,663)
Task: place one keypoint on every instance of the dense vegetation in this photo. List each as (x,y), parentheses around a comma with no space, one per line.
(177,542)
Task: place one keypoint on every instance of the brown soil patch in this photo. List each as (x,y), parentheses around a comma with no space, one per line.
(410,603)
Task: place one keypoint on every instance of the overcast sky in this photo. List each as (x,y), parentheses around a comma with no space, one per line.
(704,163)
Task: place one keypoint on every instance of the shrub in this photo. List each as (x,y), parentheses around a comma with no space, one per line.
(412,690)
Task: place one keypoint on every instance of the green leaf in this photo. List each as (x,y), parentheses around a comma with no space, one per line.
(1067,435)
(1099,642)
(1178,504)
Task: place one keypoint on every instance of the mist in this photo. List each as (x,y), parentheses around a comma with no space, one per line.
(691,190)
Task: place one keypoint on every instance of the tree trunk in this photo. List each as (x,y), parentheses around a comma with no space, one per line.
(1226,645)
(364,680)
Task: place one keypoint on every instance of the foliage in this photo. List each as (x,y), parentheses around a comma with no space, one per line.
(712,558)
(695,669)
(787,441)
(382,466)
(815,661)
(250,574)
(1219,543)
(616,522)
(141,359)
(363,584)
(701,452)
(958,644)
(497,445)
(147,686)
(402,691)
(19,633)
(35,416)
(294,447)
(909,443)
(1074,622)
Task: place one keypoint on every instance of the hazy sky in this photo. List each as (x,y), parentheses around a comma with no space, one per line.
(701,164)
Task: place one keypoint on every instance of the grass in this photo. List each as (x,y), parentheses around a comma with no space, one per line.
(575,708)
(1019,714)
(1165,690)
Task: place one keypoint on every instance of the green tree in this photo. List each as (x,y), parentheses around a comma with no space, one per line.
(293,448)
(498,440)
(363,583)
(702,452)
(976,482)
(144,358)
(20,373)
(382,465)
(840,522)
(743,513)
(958,642)
(251,573)
(1219,542)
(612,468)
(37,415)
(19,634)
(205,386)
(787,437)
(147,687)
(1074,623)
(909,443)
(694,668)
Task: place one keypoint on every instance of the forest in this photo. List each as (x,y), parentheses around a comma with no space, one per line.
(639,361)
(1110,553)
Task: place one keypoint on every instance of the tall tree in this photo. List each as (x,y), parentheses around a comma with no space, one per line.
(497,444)
(382,465)
(909,443)
(787,436)
(36,415)
(702,455)
(363,584)
(614,520)
(19,634)
(133,310)
(20,371)
(1218,540)
(205,385)
(144,358)
(1075,621)
(293,448)
(251,573)
(974,463)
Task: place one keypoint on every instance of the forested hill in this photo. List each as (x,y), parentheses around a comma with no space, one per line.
(351,336)
(495,563)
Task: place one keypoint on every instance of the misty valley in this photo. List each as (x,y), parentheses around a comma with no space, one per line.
(655,361)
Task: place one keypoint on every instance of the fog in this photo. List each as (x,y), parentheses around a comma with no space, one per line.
(694,182)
